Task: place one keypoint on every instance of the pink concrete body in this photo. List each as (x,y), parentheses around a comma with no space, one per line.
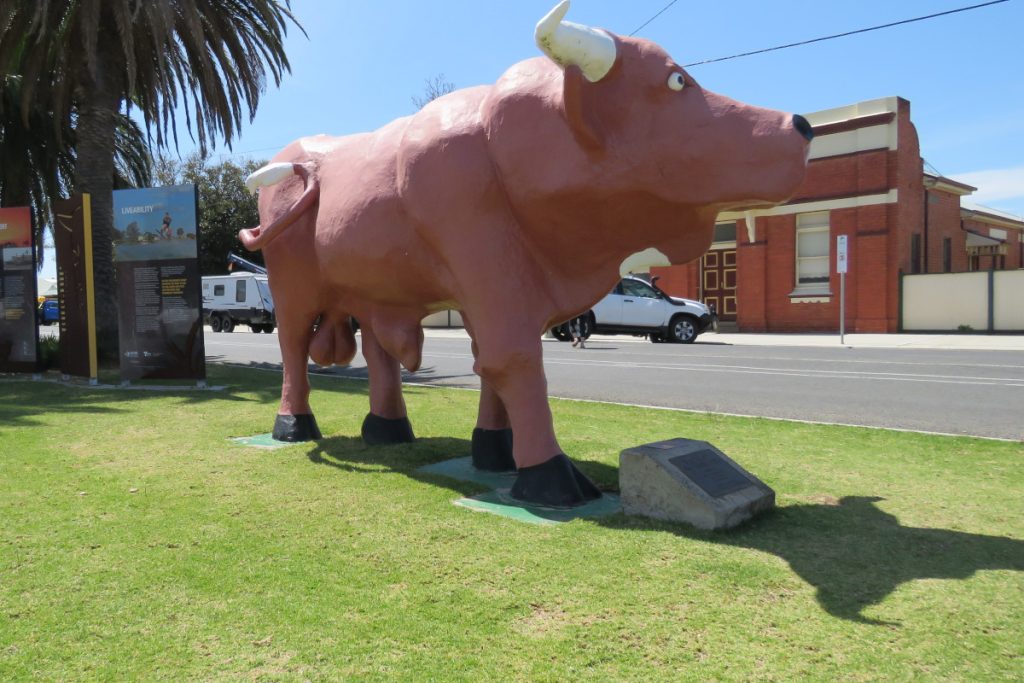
(513,203)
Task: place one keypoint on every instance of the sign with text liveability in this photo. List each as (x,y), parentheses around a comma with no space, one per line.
(160,316)
(19,334)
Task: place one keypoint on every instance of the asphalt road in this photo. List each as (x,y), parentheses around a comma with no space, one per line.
(979,393)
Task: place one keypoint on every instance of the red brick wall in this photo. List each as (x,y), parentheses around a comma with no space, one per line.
(1014,239)
(679,280)
(909,216)
(1013,246)
(943,223)
(867,172)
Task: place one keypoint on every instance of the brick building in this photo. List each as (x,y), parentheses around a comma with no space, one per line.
(774,270)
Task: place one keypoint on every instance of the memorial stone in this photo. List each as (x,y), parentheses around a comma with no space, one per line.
(682,480)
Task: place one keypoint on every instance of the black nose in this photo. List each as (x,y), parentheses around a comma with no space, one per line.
(804,126)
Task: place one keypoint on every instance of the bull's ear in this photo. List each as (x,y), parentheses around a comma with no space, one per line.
(576,91)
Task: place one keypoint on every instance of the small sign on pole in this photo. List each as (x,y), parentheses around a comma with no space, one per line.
(842,264)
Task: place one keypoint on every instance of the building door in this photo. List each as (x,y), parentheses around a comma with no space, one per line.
(718,277)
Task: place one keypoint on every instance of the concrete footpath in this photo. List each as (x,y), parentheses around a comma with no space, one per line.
(977,342)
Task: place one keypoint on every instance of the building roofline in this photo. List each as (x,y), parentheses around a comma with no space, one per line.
(992,217)
(937,182)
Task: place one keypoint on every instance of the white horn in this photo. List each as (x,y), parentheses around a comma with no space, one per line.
(591,49)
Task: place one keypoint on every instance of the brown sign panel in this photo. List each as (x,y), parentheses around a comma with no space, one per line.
(72,236)
(19,333)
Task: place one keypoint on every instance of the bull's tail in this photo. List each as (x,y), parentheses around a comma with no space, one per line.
(271,174)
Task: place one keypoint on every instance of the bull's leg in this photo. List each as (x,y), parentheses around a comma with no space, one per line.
(492,437)
(387,421)
(513,364)
(295,421)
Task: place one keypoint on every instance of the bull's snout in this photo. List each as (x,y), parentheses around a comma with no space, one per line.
(803,126)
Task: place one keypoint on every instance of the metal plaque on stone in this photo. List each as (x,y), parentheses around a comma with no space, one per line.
(684,480)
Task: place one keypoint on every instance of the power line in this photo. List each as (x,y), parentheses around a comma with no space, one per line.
(654,17)
(838,35)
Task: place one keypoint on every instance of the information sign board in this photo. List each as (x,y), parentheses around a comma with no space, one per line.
(19,333)
(159,286)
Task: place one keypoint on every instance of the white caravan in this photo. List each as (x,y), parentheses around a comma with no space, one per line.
(238,299)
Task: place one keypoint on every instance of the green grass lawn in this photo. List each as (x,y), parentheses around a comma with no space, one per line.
(138,543)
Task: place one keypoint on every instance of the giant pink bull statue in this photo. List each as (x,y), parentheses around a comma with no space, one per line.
(515,204)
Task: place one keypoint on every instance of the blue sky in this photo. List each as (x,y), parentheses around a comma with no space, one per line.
(964,73)
(364,60)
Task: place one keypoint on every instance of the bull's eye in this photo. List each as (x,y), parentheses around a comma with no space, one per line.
(676,81)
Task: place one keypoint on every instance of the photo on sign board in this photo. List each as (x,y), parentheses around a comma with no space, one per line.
(17,258)
(15,228)
(155,224)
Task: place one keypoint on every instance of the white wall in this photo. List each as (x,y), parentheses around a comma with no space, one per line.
(945,301)
(1009,300)
(443,319)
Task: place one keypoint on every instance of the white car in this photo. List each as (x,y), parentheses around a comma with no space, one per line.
(637,307)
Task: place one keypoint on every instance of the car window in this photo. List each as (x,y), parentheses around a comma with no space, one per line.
(640,289)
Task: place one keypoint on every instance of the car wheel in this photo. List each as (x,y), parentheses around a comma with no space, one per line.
(228,325)
(215,323)
(268,328)
(657,338)
(561,333)
(256,329)
(683,329)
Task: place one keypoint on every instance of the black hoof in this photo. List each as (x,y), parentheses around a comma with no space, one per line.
(381,431)
(296,428)
(555,483)
(492,450)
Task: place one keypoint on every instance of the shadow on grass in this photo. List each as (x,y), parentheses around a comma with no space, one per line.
(855,554)
(349,453)
(23,400)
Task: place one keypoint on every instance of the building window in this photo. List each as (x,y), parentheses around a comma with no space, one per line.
(947,255)
(725,233)
(915,253)
(812,254)
(240,292)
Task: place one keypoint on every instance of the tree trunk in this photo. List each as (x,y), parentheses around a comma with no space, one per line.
(99,101)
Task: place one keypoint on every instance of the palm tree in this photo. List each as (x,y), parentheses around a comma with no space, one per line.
(38,166)
(94,59)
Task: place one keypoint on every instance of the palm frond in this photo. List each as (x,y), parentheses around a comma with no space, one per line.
(212,57)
